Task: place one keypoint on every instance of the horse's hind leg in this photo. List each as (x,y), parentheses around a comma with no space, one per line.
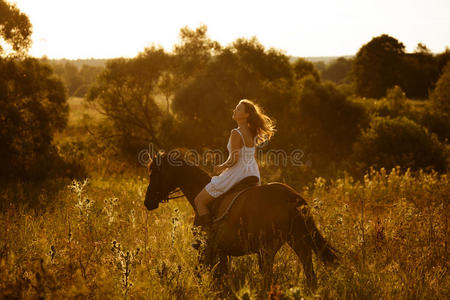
(265,260)
(304,253)
(223,266)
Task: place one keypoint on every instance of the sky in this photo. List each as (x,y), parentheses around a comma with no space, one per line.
(111,28)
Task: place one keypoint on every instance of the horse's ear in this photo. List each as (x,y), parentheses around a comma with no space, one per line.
(149,166)
(163,156)
(159,158)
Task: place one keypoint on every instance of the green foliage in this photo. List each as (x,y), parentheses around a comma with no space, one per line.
(193,52)
(442,60)
(397,100)
(377,66)
(382,63)
(327,122)
(243,70)
(129,91)
(15,29)
(435,121)
(320,66)
(420,73)
(338,71)
(399,142)
(441,94)
(303,68)
(76,80)
(32,108)
(393,105)
(181,99)
(125,93)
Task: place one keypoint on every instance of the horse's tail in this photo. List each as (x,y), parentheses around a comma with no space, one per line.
(326,252)
(304,222)
(303,227)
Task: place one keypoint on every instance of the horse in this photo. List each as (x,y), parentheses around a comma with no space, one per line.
(261,219)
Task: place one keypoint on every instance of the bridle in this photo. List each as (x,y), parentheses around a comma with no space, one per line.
(173,192)
(168,197)
(169,194)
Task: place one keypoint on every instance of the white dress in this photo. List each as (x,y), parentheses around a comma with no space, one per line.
(245,166)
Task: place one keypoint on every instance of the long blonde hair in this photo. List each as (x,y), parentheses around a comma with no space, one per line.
(261,126)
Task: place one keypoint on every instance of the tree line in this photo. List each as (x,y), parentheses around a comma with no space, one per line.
(347,116)
(77,76)
(184,98)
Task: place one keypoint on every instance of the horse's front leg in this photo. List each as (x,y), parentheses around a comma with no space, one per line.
(209,250)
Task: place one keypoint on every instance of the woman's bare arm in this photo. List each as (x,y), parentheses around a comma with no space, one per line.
(233,158)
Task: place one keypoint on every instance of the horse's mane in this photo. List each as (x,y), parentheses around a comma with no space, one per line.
(183,155)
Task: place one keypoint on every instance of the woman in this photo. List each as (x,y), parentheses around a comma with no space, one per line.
(254,128)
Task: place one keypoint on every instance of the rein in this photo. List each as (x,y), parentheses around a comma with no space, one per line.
(171,193)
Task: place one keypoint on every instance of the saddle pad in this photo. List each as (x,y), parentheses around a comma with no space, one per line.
(224,204)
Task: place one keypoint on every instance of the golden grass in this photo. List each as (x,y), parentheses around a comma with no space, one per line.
(98,240)
(79,108)
(81,117)
(95,238)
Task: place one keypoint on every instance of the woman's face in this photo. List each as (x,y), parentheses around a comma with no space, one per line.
(239,112)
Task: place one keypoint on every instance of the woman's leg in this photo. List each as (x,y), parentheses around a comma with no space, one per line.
(201,201)
(202,217)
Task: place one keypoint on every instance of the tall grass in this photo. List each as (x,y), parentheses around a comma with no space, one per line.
(97,240)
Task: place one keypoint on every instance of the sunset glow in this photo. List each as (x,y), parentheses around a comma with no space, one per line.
(105,29)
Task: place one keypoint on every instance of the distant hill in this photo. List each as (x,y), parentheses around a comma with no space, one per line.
(93,62)
(325,59)
(98,62)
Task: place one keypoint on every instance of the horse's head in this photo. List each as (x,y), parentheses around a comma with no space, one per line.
(161,181)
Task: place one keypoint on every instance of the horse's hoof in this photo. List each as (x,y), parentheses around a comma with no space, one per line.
(196,246)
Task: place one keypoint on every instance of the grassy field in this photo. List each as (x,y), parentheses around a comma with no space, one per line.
(95,239)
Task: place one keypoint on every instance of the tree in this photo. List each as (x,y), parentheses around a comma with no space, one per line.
(125,93)
(32,103)
(303,68)
(88,75)
(420,72)
(442,60)
(338,71)
(129,90)
(15,29)
(167,87)
(193,52)
(378,66)
(77,80)
(328,122)
(32,108)
(244,69)
(441,94)
(69,74)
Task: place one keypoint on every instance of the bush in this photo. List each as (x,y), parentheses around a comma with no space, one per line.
(399,141)
(441,94)
(436,122)
(393,105)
